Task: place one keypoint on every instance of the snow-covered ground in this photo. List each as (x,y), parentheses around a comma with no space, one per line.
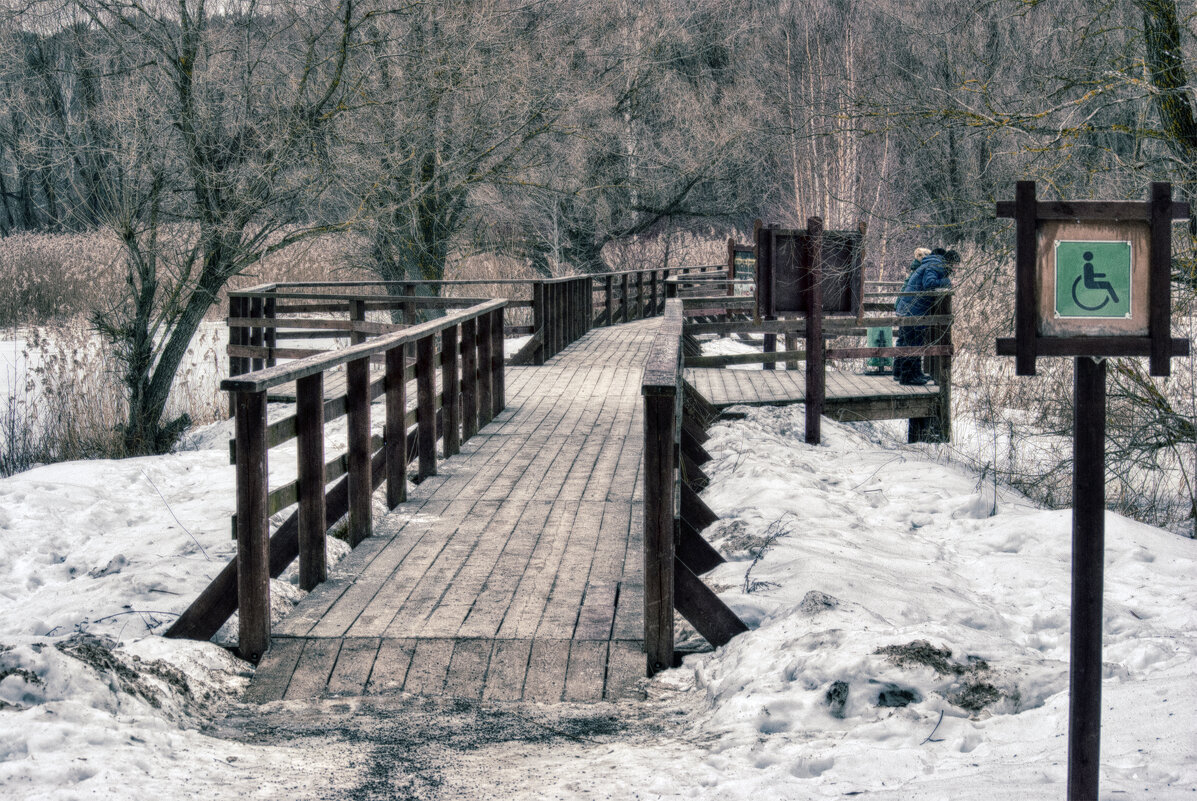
(910,640)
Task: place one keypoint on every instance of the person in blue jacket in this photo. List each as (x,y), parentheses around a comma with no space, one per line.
(933,273)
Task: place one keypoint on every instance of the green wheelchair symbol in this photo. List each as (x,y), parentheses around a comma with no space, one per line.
(1093,279)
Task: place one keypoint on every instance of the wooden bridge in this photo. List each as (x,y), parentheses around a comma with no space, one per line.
(542,552)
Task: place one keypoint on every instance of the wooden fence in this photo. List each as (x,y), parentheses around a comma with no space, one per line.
(470,363)
(675,554)
(706,309)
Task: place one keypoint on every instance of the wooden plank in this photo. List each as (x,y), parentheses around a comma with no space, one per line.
(312,670)
(354,663)
(508,667)
(429,667)
(467,668)
(547,664)
(273,673)
(584,677)
(703,608)
(625,670)
(597,614)
(696,552)
(391,664)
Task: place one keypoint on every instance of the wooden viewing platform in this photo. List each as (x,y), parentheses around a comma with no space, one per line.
(516,572)
(849,396)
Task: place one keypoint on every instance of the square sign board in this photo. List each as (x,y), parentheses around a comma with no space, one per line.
(1093,278)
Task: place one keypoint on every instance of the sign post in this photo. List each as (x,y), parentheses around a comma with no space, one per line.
(1092,280)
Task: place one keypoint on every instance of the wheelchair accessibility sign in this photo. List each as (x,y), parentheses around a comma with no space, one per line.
(1093,279)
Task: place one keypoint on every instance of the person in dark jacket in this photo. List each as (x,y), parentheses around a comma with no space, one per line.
(932,274)
(919,255)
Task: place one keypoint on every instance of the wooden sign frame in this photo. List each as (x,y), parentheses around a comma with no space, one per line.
(788,277)
(1148,224)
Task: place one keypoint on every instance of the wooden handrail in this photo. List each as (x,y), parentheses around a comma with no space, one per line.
(262,380)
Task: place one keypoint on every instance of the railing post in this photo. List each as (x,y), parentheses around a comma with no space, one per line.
(357,314)
(539,322)
(395,433)
(815,376)
(309,415)
(497,382)
(256,338)
(670,287)
(270,334)
(426,405)
(623,298)
(361,488)
(640,307)
(941,372)
(654,306)
(608,292)
(238,365)
(450,401)
(589,302)
(562,316)
(469,378)
(253,532)
(485,384)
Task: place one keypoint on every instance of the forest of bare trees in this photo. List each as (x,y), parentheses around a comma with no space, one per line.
(204,137)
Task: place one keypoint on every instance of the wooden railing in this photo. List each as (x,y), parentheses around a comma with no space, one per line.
(470,362)
(705,303)
(264,324)
(675,554)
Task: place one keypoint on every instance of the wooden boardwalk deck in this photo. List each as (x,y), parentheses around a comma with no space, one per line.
(515,573)
(849,396)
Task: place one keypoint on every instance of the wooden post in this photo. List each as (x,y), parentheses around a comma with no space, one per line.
(562,317)
(256,336)
(361,488)
(357,314)
(497,383)
(660,421)
(309,415)
(770,346)
(791,341)
(941,371)
(395,434)
(409,309)
(1159,313)
(450,400)
(1026,240)
(253,531)
(539,322)
(238,365)
(640,307)
(426,406)
(469,378)
(623,298)
(608,293)
(485,375)
(588,302)
(270,335)
(814,335)
(654,304)
(1088,555)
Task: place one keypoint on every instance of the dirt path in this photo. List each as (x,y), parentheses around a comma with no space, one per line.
(433,750)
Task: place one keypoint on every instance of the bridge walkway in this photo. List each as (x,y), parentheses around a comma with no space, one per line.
(515,573)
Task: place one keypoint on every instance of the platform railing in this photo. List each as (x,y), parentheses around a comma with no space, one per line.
(675,553)
(706,312)
(470,362)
